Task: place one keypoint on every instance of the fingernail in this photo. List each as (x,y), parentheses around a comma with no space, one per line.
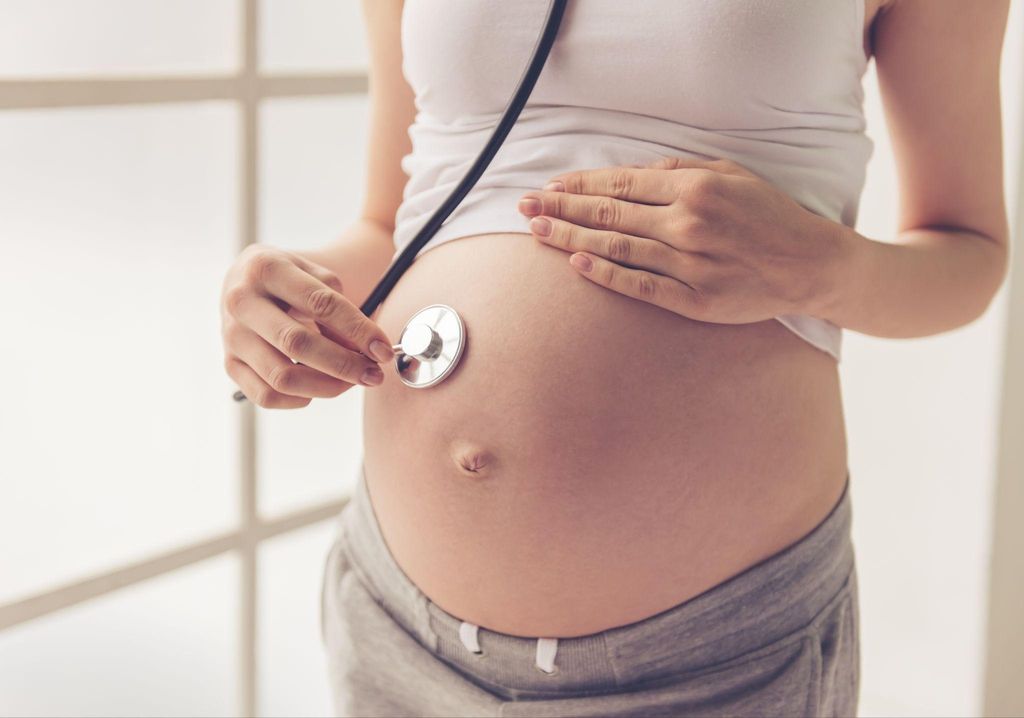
(581,262)
(555,186)
(529,206)
(380,351)
(541,226)
(373,376)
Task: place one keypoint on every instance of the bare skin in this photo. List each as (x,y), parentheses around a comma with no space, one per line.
(594,478)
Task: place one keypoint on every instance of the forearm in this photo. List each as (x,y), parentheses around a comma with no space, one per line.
(930,281)
(359,256)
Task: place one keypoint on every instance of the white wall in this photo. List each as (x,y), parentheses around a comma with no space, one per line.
(922,418)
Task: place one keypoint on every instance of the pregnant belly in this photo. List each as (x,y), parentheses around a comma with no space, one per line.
(594,459)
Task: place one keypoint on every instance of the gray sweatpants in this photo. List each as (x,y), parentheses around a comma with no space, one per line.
(779,639)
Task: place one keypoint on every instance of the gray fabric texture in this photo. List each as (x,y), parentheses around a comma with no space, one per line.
(779,639)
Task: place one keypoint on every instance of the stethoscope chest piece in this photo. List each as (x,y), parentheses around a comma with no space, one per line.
(431,346)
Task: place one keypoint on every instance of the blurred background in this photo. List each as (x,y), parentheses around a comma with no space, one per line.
(161,547)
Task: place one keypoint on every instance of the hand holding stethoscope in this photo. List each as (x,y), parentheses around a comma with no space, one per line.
(334,344)
(323,344)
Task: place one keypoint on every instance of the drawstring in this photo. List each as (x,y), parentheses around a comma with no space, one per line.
(547,648)
(468,634)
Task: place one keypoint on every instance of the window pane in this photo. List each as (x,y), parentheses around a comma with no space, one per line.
(311,454)
(321,35)
(77,37)
(293,671)
(119,431)
(162,647)
(313,155)
(312,169)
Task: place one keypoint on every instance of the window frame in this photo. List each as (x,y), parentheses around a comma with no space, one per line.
(246,88)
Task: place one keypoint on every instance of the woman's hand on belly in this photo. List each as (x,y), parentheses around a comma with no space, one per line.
(707,240)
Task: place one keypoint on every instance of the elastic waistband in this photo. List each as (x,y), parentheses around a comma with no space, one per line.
(765,603)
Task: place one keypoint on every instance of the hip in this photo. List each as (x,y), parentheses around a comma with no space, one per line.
(780,638)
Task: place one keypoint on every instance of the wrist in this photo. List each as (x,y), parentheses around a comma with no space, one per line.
(361,231)
(844,265)
(359,256)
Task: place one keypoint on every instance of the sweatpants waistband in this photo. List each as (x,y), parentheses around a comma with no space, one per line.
(764,604)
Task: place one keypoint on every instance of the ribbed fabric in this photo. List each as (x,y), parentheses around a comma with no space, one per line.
(778,639)
(773,84)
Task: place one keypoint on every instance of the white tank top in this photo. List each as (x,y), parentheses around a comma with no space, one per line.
(774,85)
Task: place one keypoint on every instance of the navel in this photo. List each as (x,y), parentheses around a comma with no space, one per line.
(472,458)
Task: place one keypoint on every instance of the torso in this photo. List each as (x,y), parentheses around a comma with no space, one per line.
(594,459)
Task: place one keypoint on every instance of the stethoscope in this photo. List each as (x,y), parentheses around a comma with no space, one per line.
(434,339)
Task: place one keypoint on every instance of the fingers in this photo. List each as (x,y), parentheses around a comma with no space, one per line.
(284,280)
(302,344)
(722,165)
(258,391)
(624,249)
(646,182)
(322,273)
(668,293)
(604,213)
(278,371)
(680,163)
(647,186)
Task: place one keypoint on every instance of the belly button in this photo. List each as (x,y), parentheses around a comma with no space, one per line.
(471,458)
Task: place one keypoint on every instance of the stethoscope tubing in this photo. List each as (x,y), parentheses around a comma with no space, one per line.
(556,9)
(399,265)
